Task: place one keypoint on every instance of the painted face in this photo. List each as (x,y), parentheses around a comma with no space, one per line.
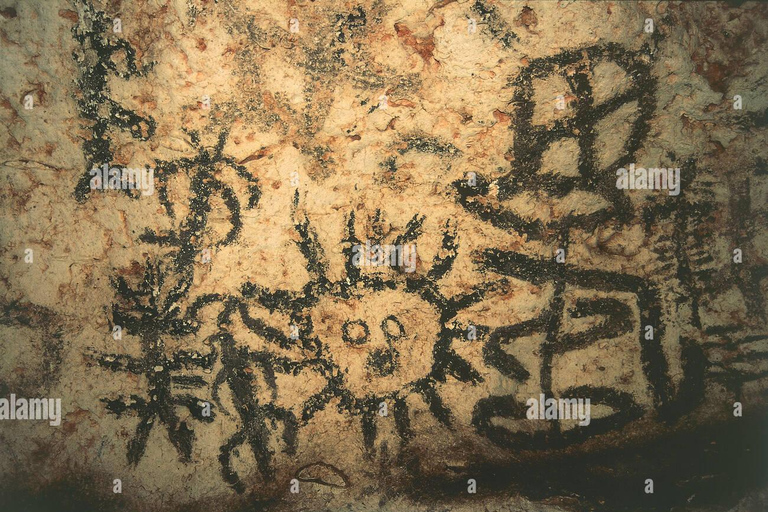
(382,341)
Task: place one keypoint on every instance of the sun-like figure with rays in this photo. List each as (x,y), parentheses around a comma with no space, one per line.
(379,335)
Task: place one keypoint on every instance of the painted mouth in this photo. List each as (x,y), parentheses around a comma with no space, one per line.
(383,362)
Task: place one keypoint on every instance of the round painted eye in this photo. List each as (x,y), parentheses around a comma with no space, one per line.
(392,328)
(355,332)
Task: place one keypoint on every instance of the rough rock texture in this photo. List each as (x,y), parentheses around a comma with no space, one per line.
(216,345)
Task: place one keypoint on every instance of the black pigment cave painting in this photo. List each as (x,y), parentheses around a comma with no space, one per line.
(579,127)
(366,355)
